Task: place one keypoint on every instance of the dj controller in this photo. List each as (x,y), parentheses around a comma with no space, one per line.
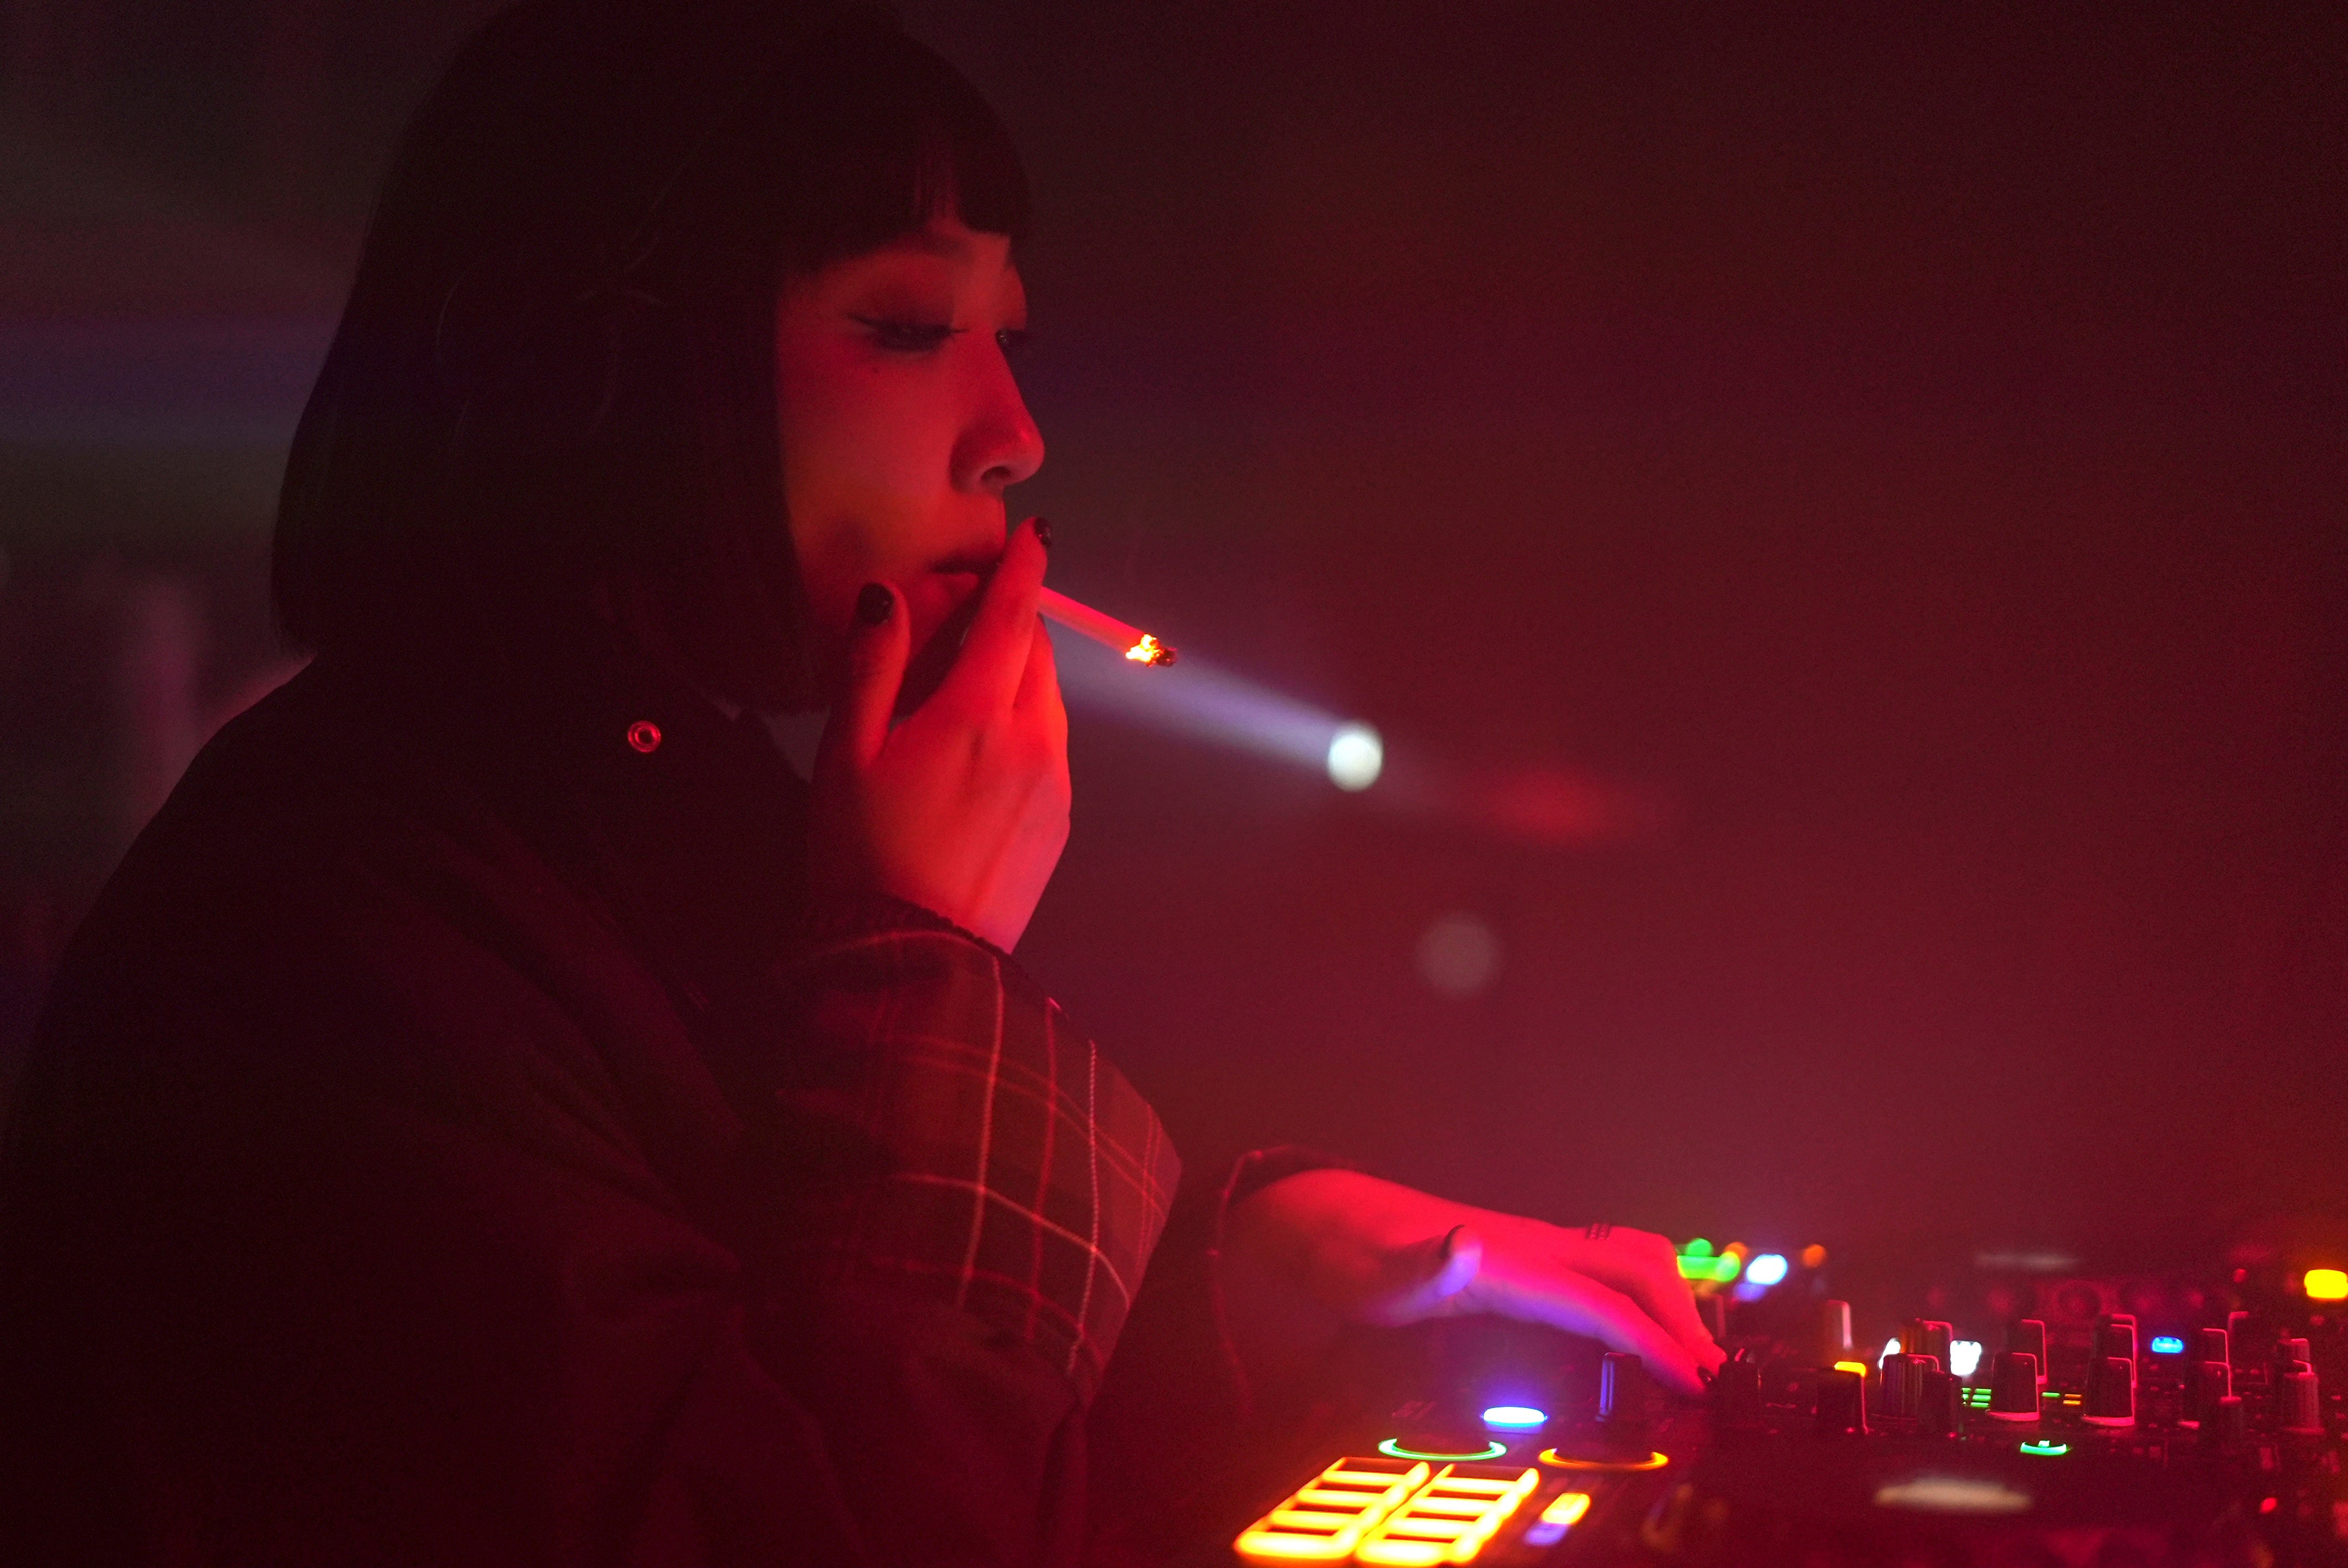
(2112,1421)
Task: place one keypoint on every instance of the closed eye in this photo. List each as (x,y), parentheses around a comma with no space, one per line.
(907,336)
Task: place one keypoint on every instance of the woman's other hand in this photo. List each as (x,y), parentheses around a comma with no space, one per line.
(960,807)
(1375,1252)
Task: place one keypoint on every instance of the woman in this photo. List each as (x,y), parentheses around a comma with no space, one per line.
(499,1111)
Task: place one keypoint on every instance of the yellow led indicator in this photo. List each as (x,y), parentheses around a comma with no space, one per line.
(1858,1367)
(1563,1512)
(2326,1285)
(1653,1462)
(1326,1518)
(1451,1518)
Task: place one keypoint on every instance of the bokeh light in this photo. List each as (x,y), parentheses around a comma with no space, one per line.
(1458,955)
(1357,756)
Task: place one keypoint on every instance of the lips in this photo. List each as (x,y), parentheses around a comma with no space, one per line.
(977,563)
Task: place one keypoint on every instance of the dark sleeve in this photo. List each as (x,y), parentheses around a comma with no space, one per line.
(975,1175)
(404,1222)
(1179,1430)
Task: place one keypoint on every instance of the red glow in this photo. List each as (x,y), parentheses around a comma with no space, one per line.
(1557,805)
(645,736)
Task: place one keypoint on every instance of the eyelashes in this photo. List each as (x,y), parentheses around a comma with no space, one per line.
(906,336)
(926,337)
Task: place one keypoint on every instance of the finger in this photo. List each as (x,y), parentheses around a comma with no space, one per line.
(1431,1273)
(1039,688)
(1579,1305)
(994,658)
(1645,1267)
(880,641)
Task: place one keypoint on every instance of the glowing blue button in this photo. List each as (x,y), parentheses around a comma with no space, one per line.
(2167,1345)
(1768,1269)
(1515,1417)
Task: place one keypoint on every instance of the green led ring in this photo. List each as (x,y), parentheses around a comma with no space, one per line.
(1392,1448)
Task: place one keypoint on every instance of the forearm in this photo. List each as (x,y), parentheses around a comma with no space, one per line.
(1362,1250)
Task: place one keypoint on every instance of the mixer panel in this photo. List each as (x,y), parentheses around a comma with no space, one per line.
(2107,1422)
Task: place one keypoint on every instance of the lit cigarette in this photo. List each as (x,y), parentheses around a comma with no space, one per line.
(1106,630)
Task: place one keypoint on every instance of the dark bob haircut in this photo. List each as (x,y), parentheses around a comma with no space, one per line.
(549,408)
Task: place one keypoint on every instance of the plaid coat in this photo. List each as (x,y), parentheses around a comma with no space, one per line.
(455,1137)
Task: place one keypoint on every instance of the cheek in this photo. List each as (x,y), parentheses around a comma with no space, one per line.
(861,467)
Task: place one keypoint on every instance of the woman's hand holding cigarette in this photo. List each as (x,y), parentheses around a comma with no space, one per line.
(961,807)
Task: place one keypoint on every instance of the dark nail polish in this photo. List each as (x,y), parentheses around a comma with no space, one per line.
(872,605)
(1043,533)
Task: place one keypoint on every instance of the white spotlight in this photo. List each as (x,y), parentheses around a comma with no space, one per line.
(1355,756)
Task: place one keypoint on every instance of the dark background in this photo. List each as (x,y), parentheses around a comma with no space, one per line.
(1861,493)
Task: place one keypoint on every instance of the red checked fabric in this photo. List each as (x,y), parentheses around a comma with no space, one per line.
(1027,1181)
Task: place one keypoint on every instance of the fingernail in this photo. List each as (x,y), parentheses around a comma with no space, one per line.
(873,605)
(1043,533)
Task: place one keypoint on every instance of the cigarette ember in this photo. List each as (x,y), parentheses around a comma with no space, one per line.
(1106,630)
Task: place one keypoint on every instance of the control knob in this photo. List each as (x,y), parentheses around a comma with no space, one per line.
(1900,1392)
(2211,1382)
(2299,1405)
(2238,1352)
(1938,1405)
(1842,1402)
(1833,1333)
(2028,1338)
(2111,1392)
(2226,1425)
(1736,1392)
(1928,1337)
(1622,1391)
(2013,1385)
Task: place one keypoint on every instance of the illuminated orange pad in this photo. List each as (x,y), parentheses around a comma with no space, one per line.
(1327,1517)
(1451,1517)
(1381,1511)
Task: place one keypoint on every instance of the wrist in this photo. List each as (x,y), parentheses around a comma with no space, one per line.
(1346,1239)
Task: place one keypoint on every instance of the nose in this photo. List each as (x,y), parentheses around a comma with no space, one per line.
(999,445)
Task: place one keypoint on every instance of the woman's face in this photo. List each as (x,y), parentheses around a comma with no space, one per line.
(902,425)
